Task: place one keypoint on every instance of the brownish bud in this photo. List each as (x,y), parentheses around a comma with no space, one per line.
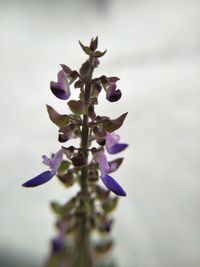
(79,160)
(94,44)
(78,107)
(68,151)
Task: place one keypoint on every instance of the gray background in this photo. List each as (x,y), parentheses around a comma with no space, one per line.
(154,47)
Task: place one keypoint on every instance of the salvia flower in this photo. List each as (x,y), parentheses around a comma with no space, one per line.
(113,94)
(61,88)
(58,242)
(108,181)
(112,143)
(53,164)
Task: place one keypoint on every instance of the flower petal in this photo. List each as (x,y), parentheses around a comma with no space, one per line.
(115,164)
(113,94)
(56,160)
(111,139)
(57,244)
(113,167)
(46,160)
(117,148)
(40,179)
(61,88)
(103,163)
(112,143)
(113,186)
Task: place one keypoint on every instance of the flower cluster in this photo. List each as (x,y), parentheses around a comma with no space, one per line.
(87,163)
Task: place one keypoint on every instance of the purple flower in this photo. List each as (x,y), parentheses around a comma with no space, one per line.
(108,181)
(112,143)
(113,186)
(113,94)
(53,164)
(58,242)
(61,88)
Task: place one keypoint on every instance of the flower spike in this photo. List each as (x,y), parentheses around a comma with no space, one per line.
(85,164)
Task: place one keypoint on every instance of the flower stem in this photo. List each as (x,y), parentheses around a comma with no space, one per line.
(85,137)
(83,238)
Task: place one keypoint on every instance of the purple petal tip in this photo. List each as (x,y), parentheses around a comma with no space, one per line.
(59,93)
(61,88)
(116,148)
(113,186)
(114,96)
(40,179)
(57,244)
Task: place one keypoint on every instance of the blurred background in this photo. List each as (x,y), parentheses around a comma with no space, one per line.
(154,47)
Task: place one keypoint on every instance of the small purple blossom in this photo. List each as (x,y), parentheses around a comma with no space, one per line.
(112,143)
(113,94)
(108,181)
(61,88)
(103,163)
(58,242)
(53,164)
(113,186)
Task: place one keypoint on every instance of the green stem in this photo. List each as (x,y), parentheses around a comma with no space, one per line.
(85,137)
(83,238)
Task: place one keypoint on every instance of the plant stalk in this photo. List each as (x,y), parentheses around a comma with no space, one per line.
(83,238)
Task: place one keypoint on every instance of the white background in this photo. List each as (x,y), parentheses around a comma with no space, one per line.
(154,47)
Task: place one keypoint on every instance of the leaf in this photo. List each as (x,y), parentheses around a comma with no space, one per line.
(76,119)
(73,75)
(58,119)
(113,79)
(64,166)
(91,112)
(85,48)
(67,179)
(117,161)
(103,223)
(94,44)
(66,68)
(112,125)
(100,135)
(70,204)
(65,133)
(78,107)
(78,84)
(96,89)
(110,204)
(57,208)
(101,193)
(99,53)
(68,151)
(104,246)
